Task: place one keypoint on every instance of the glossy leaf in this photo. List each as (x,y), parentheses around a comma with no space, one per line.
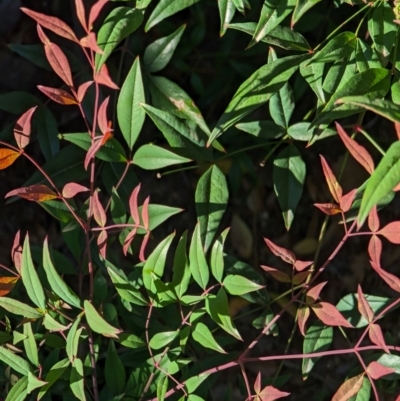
(181,271)
(7,157)
(97,323)
(226,13)
(203,335)
(239,285)
(198,263)
(114,370)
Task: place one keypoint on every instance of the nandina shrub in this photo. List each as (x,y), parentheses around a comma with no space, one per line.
(116,314)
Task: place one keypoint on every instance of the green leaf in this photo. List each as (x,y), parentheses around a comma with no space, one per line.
(118,211)
(289,173)
(217,307)
(30,345)
(130,114)
(51,324)
(19,308)
(119,24)
(30,277)
(318,338)
(390,361)
(302,6)
(158,54)
(53,375)
(34,53)
(14,361)
(366,57)
(364,393)
(131,341)
(111,151)
(114,370)
(162,387)
(18,102)
(280,36)
(97,323)
(256,91)
(19,390)
(153,157)
(166,8)
(180,269)
(34,383)
(47,131)
(73,336)
(211,201)
(202,334)
(239,285)
(192,383)
(281,106)
(161,340)
(226,13)
(217,256)
(313,74)
(76,379)
(56,282)
(338,47)
(262,129)
(198,264)
(382,28)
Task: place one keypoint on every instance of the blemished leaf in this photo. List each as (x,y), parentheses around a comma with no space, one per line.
(318,338)
(76,379)
(289,173)
(119,24)
(58,95)
(198,263)
(203,335)
(211,201)
(153,157)
(161,340)
(22,128)
(129,111)
(19,390)
(226,13)
(114,370)
(166,8)
(97,323)
(35,193)
(53,375)
(19,308)
(158,54)
(329,315)
(256,91)
(328,208)
(349,388)
(7,157)
(239,285)
(14,361)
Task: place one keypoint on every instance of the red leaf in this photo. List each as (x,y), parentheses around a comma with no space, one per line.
(72,188)
(22,129)
(329,315)
(16,252)
(271,393)
(347,200)
(391,280)
(328,208)
(7,157)
(349,388)
(376,370)
(300,277)
(313,293)
(376,336)
(373,220)
(128,240)
(98,211)
(52,23)
(334,187)
(277,274)
(283,253)
(302,317)
(300,265)
(96,145)
(95,11)
(357,151)
(82,90)
(102,116)
(80,13)
(391,232)
(375,250)
(36,193)
(145,213)
(7,284)
(397,127)
(90,42)
(103,77)
(257,383)
(363,306)
(133,204)
(146,238)
(58,95)
(102,243)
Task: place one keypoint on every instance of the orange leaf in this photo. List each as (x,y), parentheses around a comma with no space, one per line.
(334,187)
(7,157)
(22,129)
(328,208)
(349,388)
(145,213)
(58,95)
(329,315)
(7,284)
(36,193)
(16,252)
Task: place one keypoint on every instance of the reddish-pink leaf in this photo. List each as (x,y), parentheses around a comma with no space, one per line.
(95,11)
(334,187)
(22,129)
(102,243)
(103,77)
(271,393)
(300,265)
(146,238)
(300,277)
(99,213)
(302,317)
(52,23)
(102,116)
(128,240)
(82,90)
(145,213)
(36,193)
(347,200)
(391,232)
(96,145)
(283,253)
(375,250)
(376,337)
(376,370)
(90,42)
(396,188)
(313,293)
(357,151)
(16,252)
(391,280)
(363,306)
(7,157)
(373,220)
(72,188)
(257,383)
(133,204)
(277,274)
(349,388)
(328,208)
(58,95)
(397,127)
(80,13)
(329,315)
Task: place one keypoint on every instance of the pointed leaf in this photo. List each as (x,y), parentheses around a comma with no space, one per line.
(277,274)
(373,220)
(14,361)
(77,384)
(376,370)
(365,310)
(99,213)
(114,370)
(36,193)
(95,11)
(329,315)
(72,188)
(302,317)
(270,393)
(391,232)
(202,334)
(376,336)
(161,340)
(58,95)
(312,294)
(239,285)
(198,263)
(283,253)
(7,157)
(19,308)
(226,13)
(19,390)
(53,375)
(334,187)
(97,323)
(349,388)
(217,256)
(391,280)
(22,129)
(31,348)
